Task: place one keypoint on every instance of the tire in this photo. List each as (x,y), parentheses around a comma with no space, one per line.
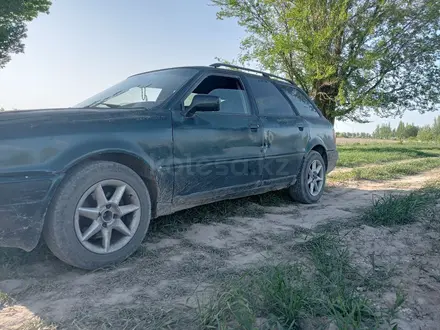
(301,190)
(65,228)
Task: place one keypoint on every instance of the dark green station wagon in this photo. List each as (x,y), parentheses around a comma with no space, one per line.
(89,178)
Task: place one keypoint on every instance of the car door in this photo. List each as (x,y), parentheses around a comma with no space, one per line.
(216,154)
(320,128)
(285,133)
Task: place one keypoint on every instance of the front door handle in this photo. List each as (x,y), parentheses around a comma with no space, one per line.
(301,128)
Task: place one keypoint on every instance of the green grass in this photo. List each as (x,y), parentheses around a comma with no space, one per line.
(286,296)
(401,209)
(5,299)
(387,171)
(357,155)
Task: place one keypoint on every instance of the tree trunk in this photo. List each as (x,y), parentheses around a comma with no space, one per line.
(325,96)
(327,108)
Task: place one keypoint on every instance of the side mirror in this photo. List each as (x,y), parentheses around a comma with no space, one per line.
(203,102)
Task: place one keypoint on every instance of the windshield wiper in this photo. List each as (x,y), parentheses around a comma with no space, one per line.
(110,105)
(102,101)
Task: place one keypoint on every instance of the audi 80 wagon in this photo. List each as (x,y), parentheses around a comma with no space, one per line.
(89,178)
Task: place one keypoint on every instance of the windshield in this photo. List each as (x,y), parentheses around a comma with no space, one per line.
(145,90)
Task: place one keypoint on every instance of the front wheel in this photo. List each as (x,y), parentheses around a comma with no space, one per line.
(311,179)
(99,216)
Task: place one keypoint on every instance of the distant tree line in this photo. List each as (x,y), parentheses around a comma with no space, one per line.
(403,131)
(362,135)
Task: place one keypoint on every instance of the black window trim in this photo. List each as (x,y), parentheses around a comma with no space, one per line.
(221,74)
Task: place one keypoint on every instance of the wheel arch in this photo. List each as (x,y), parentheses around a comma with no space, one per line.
(322,151)
(318,145)
(129,159)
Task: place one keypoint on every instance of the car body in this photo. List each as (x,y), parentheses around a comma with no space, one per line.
(185,154)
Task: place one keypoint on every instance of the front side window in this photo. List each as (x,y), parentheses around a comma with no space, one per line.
(233,97)
(301,103)
(145,90)
(270,101)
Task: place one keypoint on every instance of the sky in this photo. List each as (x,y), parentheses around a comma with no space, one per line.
(83,47)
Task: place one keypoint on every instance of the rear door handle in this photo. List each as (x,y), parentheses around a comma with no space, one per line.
(301,128)
(254,127)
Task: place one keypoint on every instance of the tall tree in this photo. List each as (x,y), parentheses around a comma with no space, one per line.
(400,131)
(436,127)
(425,134)
(14,14)
(354,57)
(411,130)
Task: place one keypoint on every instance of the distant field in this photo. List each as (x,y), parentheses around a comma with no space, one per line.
(387,171)
(341,140)
(353,155)
(383,160)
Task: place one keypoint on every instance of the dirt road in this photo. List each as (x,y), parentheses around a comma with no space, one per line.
(157,287)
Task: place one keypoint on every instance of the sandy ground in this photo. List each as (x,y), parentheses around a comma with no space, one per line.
(157,287)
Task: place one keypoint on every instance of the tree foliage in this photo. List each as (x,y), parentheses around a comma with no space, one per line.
(400,131)
(430,132)
(425,134)
(353,57)
(14,14)
(383,131)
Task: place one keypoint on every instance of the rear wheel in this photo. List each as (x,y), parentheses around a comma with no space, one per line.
(99,216)
(310,183)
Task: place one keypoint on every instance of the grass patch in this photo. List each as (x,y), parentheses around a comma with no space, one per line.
(357,155)
(402,209)
(269,297)
(386,172)
(5,300)
(288,296)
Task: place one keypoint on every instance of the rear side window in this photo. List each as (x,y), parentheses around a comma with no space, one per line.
(270,101)
(301,103)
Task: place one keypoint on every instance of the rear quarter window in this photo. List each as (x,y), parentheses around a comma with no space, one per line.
(302,104)
(270,102)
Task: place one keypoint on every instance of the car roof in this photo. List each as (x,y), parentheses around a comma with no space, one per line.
(225,71)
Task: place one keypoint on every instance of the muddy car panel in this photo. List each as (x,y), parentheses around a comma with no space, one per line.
(38,150)
(184,161)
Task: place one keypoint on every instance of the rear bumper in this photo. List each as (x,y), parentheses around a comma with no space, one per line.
(332,159)
(23,205)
